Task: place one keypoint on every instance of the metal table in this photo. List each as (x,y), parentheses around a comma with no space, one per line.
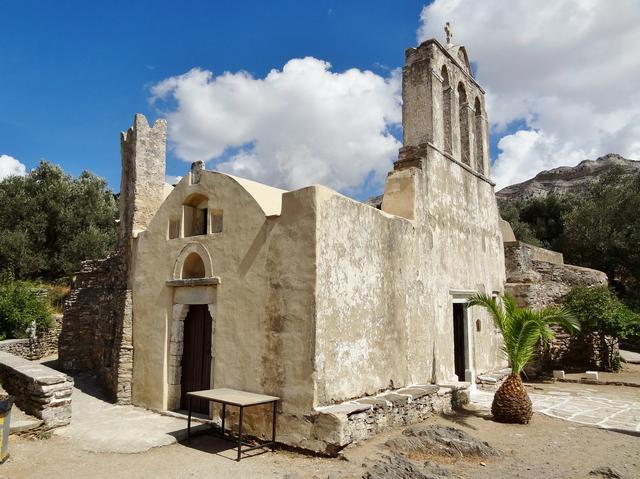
(240,399)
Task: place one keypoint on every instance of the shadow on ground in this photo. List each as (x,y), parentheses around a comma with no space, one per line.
(208,440)
(461,416)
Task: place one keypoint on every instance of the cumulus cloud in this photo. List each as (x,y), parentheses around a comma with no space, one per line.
(297,126)
(566,69)
(9,166)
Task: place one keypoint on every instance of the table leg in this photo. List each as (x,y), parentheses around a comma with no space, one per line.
(240,434)
(223,414)
(189,423)
(273,430)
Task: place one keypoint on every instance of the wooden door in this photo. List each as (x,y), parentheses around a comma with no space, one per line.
(196,356)
(459,350)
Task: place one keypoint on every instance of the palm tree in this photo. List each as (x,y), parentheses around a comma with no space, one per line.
(521,330)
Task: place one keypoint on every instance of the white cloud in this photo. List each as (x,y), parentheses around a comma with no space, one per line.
(568,68)
(300,125)
(171,179)
(9,166)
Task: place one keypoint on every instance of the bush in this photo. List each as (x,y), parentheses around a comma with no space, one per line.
(603,315)
(57,293)
(20,307)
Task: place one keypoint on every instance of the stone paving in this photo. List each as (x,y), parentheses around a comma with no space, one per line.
(99,426)
(586,406)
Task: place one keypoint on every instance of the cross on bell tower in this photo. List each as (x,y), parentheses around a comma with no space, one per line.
(449,32)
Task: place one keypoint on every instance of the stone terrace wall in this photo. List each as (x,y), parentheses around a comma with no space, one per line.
(39,390)
(44,344)
(96,333)
(360,419)
(538,278)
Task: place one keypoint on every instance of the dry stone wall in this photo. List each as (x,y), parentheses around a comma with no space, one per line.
(44,344)
(96,333)
(538,278)
(39,390)
(365,417)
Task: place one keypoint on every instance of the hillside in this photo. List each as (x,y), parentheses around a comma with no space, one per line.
(568,179)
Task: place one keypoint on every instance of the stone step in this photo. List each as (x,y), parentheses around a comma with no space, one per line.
(22,422)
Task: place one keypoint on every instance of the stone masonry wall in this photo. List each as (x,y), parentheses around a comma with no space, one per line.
(538,278)
(44,344)
(363,418)
(39,390)
(96,333)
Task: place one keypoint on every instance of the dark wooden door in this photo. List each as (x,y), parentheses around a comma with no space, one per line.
(459,351)
(196,356)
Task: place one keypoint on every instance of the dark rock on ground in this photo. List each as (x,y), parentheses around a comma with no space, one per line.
(606,472)
(396,466)
(440,440)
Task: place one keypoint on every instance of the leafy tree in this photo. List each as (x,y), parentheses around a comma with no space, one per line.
(49,222)
(603,231)
(521,330)
(546,216)
(599,229)
(510,211)
(21,308)
(604,316)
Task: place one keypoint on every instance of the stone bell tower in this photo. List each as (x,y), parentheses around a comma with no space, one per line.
(97,332)
(443,115)
(143,152)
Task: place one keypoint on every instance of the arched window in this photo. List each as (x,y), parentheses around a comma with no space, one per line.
(478,135)
(193,267)
(446,110)
(463,113)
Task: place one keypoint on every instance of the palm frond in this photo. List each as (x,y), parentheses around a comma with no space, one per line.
(491,305)
(522,328)
(563,317)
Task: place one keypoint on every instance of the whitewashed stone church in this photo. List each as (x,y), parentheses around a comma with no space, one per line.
(344,310)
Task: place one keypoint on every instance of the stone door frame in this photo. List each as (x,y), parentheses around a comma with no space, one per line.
(176,347)
(462,297)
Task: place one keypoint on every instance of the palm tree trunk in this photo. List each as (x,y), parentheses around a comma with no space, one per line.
(511,402)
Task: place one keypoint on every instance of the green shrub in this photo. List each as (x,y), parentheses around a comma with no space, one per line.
(604,316)
(20,307)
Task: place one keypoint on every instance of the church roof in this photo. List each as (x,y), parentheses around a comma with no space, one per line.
(267,197)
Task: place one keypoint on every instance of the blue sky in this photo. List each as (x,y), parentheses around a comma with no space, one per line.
(72,75)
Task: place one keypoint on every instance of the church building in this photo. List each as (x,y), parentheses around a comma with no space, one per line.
(307,295)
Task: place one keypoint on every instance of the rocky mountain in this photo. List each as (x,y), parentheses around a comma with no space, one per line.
(569,179)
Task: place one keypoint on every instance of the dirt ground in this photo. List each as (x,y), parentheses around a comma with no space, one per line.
(548,447)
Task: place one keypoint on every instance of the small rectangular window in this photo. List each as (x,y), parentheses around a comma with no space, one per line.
(216,221)
(174,228)
(195,221)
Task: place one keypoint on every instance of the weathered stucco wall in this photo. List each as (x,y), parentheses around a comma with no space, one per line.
(386,285)
(263,309)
